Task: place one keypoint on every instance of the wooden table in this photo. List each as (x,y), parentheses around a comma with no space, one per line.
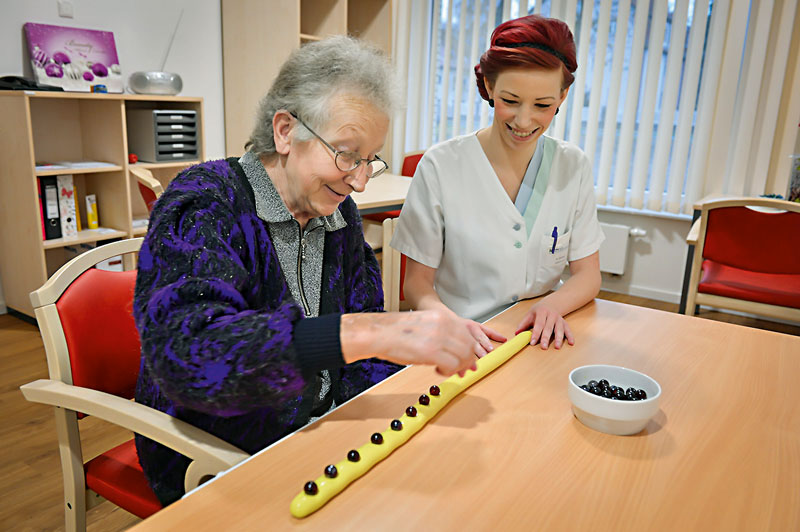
(723,452)
(386,192)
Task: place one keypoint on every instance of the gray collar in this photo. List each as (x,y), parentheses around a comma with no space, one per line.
(270,206)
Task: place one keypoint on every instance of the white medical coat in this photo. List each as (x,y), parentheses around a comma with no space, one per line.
(458,219)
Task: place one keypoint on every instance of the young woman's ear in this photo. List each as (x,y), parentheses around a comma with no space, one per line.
(282,125)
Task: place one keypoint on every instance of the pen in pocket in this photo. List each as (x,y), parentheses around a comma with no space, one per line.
(555,239)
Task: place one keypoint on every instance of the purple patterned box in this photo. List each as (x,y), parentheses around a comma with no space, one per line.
(73,58)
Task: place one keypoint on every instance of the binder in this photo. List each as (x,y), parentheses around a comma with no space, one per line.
(48,196)
(66,206)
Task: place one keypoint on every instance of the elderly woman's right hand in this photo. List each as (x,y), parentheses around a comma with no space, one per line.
(433,337)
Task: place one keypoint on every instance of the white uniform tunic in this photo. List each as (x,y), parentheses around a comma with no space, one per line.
(458,219)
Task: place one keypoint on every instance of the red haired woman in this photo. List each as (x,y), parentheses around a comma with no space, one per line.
(494,217)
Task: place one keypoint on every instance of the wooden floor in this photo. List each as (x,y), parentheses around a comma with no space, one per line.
(29,464)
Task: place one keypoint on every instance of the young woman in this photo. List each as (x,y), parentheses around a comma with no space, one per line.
(493,217)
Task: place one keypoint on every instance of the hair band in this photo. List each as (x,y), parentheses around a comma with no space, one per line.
(538,46)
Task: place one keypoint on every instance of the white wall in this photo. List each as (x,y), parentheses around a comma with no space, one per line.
(656,261)
(142,29)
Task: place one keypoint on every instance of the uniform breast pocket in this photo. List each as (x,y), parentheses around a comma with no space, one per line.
(552,260)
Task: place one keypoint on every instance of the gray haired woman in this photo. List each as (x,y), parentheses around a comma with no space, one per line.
(256,295)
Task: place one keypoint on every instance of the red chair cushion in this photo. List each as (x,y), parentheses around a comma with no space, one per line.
(770,288)
(381,216)
(410,164)
(96,313)
(752,240)
(117,476)
(148,196)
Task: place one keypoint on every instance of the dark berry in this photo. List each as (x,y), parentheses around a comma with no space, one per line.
(424,400)
(592,384)
(331,471)
(607,393)
(614,389)
(584,387)
(641,394)
(411,411)
(631,391)
(618,394)
(603,384)
(311,487)
(353,456)
(595,390)
(377,438)
(397,424)
(434,390)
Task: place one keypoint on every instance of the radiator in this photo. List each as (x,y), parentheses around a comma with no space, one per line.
(614,249)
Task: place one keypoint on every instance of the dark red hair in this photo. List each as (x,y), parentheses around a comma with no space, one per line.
(534,42)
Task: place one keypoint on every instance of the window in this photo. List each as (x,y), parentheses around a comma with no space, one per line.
(653,96)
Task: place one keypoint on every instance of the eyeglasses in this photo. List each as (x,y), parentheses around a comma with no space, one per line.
(347,161)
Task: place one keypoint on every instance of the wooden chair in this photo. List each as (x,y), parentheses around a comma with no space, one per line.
(149,187)
(85,316)
(747,257)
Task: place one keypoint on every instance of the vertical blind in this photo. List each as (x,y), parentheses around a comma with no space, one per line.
(672,100)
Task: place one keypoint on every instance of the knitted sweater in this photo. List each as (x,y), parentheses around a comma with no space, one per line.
(224,346)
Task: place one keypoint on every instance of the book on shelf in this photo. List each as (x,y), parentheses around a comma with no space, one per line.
(66,205)
(92,219)
(49,207)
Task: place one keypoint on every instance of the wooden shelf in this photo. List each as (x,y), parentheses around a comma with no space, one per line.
(249,26)
(75,127)
(171,164)
(78,171)
(87,235)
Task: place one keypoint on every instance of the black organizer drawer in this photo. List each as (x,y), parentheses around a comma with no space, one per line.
(175,128)
(176,137)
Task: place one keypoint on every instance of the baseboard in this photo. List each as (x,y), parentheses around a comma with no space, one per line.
(648,293)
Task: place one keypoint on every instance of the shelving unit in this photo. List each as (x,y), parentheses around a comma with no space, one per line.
(63,126)
(258,36)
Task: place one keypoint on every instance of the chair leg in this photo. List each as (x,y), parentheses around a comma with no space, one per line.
(72,469)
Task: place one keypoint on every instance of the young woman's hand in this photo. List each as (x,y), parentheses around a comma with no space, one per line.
(545,323)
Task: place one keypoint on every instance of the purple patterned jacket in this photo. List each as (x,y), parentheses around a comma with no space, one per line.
(224,345)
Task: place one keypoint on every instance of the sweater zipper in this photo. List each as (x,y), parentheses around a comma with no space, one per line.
(301,254)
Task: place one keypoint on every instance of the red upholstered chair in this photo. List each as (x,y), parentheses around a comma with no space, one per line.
(394,263)
(410,162)
(85,316)
(149,187)
(747,257)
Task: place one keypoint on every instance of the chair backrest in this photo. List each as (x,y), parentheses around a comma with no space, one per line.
(754,234)
(149,187)
(391,268)
(86,318)
(410,162)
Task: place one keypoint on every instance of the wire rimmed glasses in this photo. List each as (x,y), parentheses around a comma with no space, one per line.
(347,161)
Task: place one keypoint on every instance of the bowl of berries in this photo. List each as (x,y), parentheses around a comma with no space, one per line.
(613,399)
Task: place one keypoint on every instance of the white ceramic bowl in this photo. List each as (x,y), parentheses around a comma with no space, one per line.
(609,415)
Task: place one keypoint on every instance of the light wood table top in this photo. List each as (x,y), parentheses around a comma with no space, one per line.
(723,452)
(386,192)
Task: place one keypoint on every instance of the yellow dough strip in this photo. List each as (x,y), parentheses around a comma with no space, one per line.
(370,454)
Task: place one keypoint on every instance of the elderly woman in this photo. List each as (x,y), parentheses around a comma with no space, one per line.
(256,292)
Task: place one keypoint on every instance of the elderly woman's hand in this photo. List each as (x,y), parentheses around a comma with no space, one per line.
(433,337)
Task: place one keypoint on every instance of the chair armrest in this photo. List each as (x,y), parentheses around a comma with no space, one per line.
(694,233)
(212,453)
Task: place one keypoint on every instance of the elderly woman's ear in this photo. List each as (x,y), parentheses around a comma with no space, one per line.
(282,124)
